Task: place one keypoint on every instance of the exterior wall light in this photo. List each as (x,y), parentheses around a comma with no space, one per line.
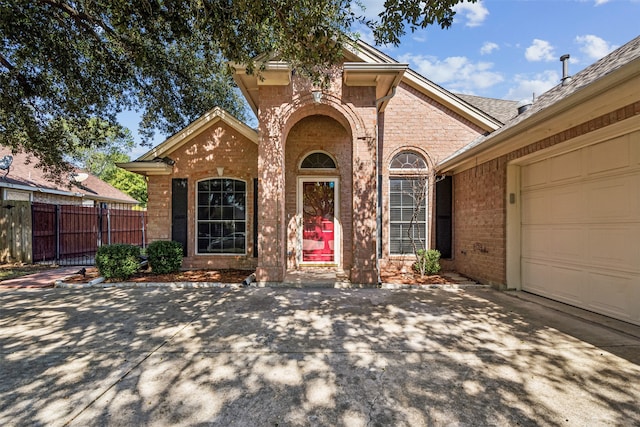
(317,95)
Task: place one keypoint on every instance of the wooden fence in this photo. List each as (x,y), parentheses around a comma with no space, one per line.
(65,234)
(15,232)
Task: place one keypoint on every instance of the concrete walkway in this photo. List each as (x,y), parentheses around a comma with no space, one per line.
(43,279)
(300,357)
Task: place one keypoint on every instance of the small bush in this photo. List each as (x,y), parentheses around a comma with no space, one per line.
(165,256)
(118,261)
(427,262)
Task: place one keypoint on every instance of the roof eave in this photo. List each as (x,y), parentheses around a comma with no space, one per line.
(446,98)
(197,127)
(146,168)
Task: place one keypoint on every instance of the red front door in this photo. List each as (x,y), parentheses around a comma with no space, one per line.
(318,210)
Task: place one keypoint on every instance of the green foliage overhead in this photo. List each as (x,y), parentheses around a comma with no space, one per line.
(65,63)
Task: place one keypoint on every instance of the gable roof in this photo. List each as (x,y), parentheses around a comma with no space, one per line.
(198,126)
(25,176)
(604,78)
(366,65)
(367,53)
(156,161)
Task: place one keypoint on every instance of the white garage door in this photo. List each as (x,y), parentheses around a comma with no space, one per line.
(580,227)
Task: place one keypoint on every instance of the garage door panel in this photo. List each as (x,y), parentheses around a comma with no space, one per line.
(616,246)
(580,227)
(535,174)
(610,199)
(536,277)
(610,294)
(568,244)
(566,167)
(543,279)
(609,156)
(566,204)
(535,208)
(535,242)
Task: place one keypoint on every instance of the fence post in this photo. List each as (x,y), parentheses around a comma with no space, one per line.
(108,226)
(57,219)
(142,224)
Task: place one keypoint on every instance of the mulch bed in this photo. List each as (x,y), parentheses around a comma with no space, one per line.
(216,276)
(237,276)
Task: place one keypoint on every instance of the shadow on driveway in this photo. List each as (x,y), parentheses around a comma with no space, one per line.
(289,357)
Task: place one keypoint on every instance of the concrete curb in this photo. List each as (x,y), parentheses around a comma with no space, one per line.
(174,285)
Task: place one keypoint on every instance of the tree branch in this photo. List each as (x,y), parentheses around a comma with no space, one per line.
(5,62)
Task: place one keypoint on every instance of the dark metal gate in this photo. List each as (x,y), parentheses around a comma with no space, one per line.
(71,235)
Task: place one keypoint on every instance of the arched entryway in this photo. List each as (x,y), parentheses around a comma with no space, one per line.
(318,188)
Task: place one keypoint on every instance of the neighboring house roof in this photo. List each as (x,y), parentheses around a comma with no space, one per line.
(603,77)
(156,160)
(501,109)
(25,176)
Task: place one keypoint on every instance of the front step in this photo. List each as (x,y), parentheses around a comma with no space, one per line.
(316,278)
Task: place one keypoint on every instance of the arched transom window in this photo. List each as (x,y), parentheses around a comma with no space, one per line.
(407,160)
(318,160)
(407,203)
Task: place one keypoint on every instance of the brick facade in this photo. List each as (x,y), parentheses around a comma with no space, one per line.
(480,202)
(198,159)
(414,122)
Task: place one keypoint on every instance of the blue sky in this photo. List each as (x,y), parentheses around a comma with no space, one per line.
(507,49)
(510,49)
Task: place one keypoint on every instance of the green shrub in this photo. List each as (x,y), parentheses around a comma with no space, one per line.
(427,262)
(118,261)
(165,256)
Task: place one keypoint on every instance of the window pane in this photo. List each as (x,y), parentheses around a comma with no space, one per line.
(407,160)
(403,197)
(221,216)
(318,161)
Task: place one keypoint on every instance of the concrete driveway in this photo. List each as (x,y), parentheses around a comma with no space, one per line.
(327,357)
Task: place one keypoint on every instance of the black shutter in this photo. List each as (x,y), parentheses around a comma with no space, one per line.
(444,210)
(255,217)
(179,201)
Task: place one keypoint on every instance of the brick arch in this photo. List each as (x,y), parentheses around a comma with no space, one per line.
(330,105)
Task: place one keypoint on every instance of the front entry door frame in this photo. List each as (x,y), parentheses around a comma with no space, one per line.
(337,229)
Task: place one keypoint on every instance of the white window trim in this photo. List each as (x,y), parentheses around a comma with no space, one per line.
(221,254)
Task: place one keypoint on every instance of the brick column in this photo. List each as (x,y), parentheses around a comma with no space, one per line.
(271,229)
(365,187)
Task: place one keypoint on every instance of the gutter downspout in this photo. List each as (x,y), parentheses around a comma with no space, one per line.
(379,181)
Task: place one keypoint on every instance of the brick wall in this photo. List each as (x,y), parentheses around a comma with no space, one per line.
(479,222)
(480,202)
(415,122)
(195,160)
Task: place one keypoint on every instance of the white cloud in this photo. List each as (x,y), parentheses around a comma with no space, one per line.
(601,2)
(593,46)
(540,50)
(455,73)
(488,47)
(525,85)
(475,13)
(371,7)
